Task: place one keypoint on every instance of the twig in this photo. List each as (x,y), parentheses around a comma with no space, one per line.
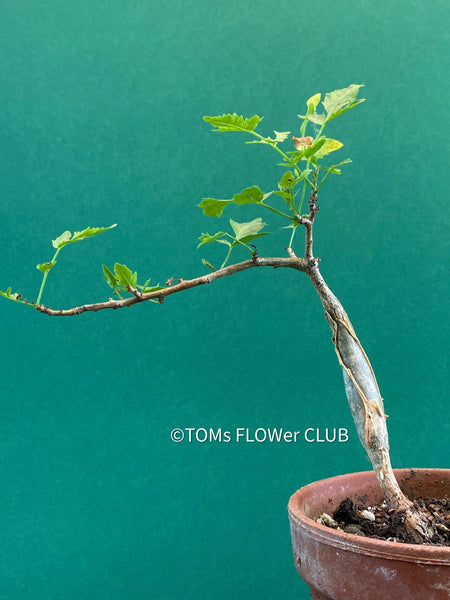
(300,264)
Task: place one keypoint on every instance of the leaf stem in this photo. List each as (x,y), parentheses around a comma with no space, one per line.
(272,144)
(291,241)
(228,254)
(44,278)
(305,181)
(275,210)
(324,178)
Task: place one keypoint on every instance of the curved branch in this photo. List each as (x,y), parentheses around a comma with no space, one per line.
(300,264)
(361,387)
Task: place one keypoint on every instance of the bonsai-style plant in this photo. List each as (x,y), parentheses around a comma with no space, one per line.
(306,167)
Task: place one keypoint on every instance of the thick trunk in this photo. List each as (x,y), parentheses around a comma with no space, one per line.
(366,405)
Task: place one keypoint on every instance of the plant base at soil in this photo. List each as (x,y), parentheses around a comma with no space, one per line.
(380,522)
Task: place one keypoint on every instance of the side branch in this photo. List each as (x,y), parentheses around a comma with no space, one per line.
(300,264)
(308,223)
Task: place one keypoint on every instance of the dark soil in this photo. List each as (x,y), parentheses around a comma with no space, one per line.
(381,523)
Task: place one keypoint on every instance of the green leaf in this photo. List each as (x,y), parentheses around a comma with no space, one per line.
(310,151)
(64,237)
(90,232)
(208,264)
(328,146)
(252,195)
(311,113)
(213,207)
(147,289)
(249,238)
(312,102)
(125,277)
(335,168)
(206,238)
(110,278)
(340,101)
(302,175)
(8,294)
(280,136)
(233,122)
(45,267)
(317,118)
(67,238)
(243,230)
(15,296)
(307,152)
(287,180)
(285,195)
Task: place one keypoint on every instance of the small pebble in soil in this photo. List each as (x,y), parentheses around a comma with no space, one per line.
(328,521)
(366,514)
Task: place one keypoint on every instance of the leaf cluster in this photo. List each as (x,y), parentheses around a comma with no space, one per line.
(305,169)
(125,280)
(62,240)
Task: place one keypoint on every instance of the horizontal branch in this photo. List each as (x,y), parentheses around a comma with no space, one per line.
(300,264)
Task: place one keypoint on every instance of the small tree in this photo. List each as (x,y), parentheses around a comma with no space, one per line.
(303,176)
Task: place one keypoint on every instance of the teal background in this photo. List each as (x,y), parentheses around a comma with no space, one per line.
(101,122)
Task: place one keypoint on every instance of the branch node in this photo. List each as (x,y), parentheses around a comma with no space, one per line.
(303,220)
(136,293)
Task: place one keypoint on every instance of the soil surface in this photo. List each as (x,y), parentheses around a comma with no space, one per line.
(381,523)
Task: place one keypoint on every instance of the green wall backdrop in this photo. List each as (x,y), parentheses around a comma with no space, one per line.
(101,122)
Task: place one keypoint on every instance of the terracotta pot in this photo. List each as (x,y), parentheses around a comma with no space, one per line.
(340,566)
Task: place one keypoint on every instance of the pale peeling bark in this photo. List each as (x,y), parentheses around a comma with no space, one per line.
(366,405)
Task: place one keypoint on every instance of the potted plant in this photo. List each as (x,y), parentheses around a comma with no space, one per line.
(306,168)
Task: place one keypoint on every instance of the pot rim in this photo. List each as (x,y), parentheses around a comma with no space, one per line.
(426,554)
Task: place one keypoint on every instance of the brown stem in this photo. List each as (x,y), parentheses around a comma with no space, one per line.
(293,262)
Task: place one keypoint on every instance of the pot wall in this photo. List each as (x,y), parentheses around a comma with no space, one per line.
(340,566)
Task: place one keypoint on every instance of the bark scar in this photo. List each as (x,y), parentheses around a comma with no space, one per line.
(369,404)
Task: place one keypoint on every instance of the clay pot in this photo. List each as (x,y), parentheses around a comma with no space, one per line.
(341,566)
